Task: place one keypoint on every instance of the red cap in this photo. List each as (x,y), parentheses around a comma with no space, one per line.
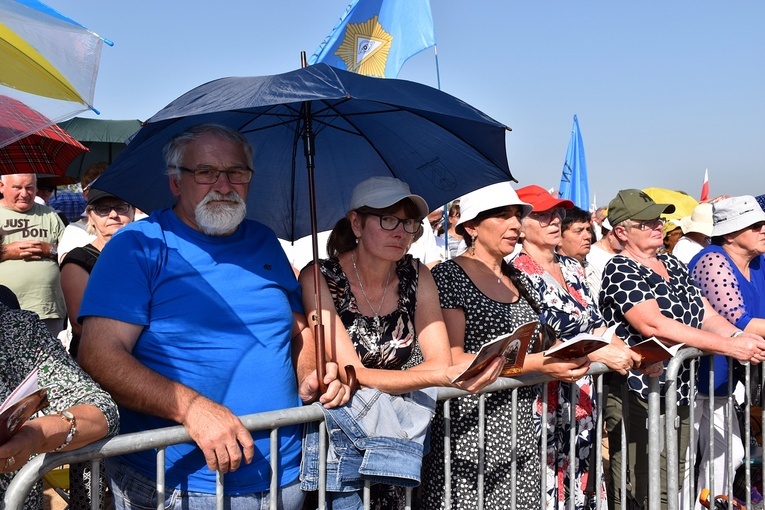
(541,199)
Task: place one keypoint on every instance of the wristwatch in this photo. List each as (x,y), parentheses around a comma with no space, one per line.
(53,252)
(66,415)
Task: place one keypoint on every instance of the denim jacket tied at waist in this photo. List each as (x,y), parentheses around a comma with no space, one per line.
(375,436)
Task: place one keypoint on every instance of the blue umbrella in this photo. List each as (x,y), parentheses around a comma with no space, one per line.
(345,126)
(361,126)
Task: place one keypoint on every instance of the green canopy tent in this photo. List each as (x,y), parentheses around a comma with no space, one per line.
(105,139)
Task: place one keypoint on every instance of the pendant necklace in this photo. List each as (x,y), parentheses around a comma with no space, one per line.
(363,293)
(475,261)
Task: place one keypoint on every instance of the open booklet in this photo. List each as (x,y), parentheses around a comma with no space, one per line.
(27,399)
(581,345)
(653,351)
(512,346)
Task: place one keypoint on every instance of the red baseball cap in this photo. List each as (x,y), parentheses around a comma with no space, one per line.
(541,199)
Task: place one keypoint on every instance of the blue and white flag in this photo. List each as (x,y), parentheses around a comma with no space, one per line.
(573,180)
(376,37)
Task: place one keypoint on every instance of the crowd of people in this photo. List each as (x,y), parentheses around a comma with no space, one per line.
(194,316)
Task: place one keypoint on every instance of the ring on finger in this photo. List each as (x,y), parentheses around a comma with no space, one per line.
(9,462)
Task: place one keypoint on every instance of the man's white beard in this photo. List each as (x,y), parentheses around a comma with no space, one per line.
(220,219)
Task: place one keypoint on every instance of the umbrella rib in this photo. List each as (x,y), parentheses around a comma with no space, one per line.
(391,109)
(361,134)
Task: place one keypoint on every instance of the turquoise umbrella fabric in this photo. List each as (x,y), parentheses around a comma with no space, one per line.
(104,138)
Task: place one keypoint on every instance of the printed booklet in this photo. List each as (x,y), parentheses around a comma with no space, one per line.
(581,345)
(512,346)
(653,351)
(26,400)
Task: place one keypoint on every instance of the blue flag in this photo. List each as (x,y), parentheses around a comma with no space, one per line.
(573,180)
(376,37)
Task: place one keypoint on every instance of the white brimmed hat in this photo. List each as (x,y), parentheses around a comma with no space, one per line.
(497,195)
(699,221)
(735,213)
(382,192)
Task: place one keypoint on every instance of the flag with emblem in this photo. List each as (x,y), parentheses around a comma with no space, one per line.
(376,37)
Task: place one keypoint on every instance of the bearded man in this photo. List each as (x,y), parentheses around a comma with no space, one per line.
(193,316)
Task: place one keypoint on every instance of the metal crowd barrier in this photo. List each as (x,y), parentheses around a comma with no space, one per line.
(160,439)
(689,497)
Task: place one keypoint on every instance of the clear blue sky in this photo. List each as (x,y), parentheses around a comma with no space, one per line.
(662,90)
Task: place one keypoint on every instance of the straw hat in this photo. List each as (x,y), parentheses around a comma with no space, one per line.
(699,221)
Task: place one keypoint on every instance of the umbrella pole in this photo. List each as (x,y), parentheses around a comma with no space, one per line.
(318,328)
(318,331)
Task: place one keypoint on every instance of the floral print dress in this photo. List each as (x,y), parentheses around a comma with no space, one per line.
(26,344)
(569,311)
(386,342)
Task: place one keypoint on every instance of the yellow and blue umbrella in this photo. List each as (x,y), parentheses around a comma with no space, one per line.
(47,61)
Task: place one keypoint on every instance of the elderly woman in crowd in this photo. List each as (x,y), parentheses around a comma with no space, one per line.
(734,262)
(576,235)
(648,293)
(568,307)
(482,296)
(385,316)
(106,214)
(79,411)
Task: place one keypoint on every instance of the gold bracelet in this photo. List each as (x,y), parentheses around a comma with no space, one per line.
(66,415)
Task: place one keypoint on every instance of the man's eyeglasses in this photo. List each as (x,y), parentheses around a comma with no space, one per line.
(546,217)
(757,226)
(390,222)
(210,174)
(648,225)
(104,210)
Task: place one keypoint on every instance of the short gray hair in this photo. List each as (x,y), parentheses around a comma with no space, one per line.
(2,177)
(173,150)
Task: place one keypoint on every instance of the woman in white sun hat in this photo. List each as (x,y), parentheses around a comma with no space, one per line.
(482,296)
(734,260)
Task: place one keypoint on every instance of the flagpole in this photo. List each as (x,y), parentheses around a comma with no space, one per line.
(445,213)
(438,70)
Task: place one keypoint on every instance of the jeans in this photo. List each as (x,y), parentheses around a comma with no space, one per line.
(134,491)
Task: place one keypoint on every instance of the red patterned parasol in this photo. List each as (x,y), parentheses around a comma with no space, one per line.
(48,151)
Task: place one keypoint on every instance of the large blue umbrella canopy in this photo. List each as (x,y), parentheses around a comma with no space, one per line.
(362,127)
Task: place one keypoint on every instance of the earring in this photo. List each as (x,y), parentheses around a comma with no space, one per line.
(472,244)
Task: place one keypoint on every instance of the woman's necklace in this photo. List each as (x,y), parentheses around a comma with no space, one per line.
(475,261)
(363,293)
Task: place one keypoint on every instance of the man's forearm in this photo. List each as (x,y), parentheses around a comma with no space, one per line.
(135,386)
